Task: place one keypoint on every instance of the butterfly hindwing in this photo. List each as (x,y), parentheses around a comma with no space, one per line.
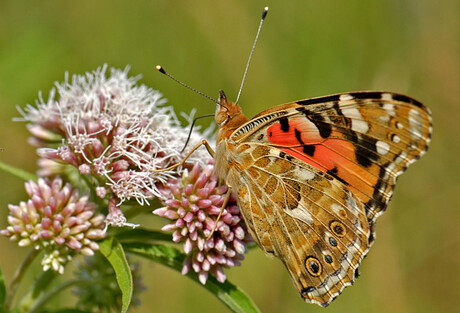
(305,217)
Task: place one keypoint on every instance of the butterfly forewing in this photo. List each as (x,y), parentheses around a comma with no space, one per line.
(313,175)
(364,139)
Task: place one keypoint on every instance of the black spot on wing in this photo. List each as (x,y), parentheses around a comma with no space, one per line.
(286,156)
(324,128)
(366,151)
(334,173)
(298,136)
(356,273)
(407,99)
(371,238)
(284,124)
(366,95)
(378,95)
(319,100)
(382,184)
(379,200)
(309,150)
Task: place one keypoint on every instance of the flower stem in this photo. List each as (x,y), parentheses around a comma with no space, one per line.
(17,278)
(15,171)
(36,290)
(132,211)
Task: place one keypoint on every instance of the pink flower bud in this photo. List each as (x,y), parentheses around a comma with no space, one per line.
(46,218)
(197,199)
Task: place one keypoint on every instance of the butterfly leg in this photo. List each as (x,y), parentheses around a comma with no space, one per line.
(224,204)
(203,143)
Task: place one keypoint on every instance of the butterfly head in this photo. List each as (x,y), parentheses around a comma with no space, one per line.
(227,112)
(228,116)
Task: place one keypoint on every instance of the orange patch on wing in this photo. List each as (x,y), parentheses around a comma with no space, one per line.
(332,154)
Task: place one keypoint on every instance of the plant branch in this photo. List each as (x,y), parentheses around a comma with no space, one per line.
(18,276)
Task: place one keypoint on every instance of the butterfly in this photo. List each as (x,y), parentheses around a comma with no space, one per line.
(311,178)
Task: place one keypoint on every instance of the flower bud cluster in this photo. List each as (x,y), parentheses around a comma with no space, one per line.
(57,220)
(193,203)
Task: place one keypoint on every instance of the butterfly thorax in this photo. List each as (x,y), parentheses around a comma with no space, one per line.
(229,117)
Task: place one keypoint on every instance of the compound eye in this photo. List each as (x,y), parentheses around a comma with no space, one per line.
(221,118)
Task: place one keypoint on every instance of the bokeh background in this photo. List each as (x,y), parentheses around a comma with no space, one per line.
(307,48)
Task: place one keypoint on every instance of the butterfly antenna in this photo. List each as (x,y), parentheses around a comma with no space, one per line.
(160,69)
(264,14)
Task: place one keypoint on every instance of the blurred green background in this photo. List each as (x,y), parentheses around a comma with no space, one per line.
(307,48)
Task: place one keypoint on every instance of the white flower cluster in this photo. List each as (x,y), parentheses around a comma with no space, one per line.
(113,129)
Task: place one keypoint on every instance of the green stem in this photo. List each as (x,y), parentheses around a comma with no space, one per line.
(89,184)
(16,171)
(58,288)
(36,290)
(132,211)
(17,278)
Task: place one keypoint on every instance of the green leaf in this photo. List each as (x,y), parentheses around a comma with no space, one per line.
(115,254)
(2,292)
(142,235)
(15,171)
(232,296)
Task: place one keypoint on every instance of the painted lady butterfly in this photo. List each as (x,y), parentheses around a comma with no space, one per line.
(312,176)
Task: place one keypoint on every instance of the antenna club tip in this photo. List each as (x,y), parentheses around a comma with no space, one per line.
(160,69)
(264,13)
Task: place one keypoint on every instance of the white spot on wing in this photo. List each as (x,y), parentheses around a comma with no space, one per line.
(352,205)
(304,174)
(387,96)
(359,126)
(336,208)
(389,108)
(402,157)
(382,147)
(345,97)
(416,125)
(302,214)
(357,121)
(384,118)
(414,115)
(395,138)
(388,170)
(416,133)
